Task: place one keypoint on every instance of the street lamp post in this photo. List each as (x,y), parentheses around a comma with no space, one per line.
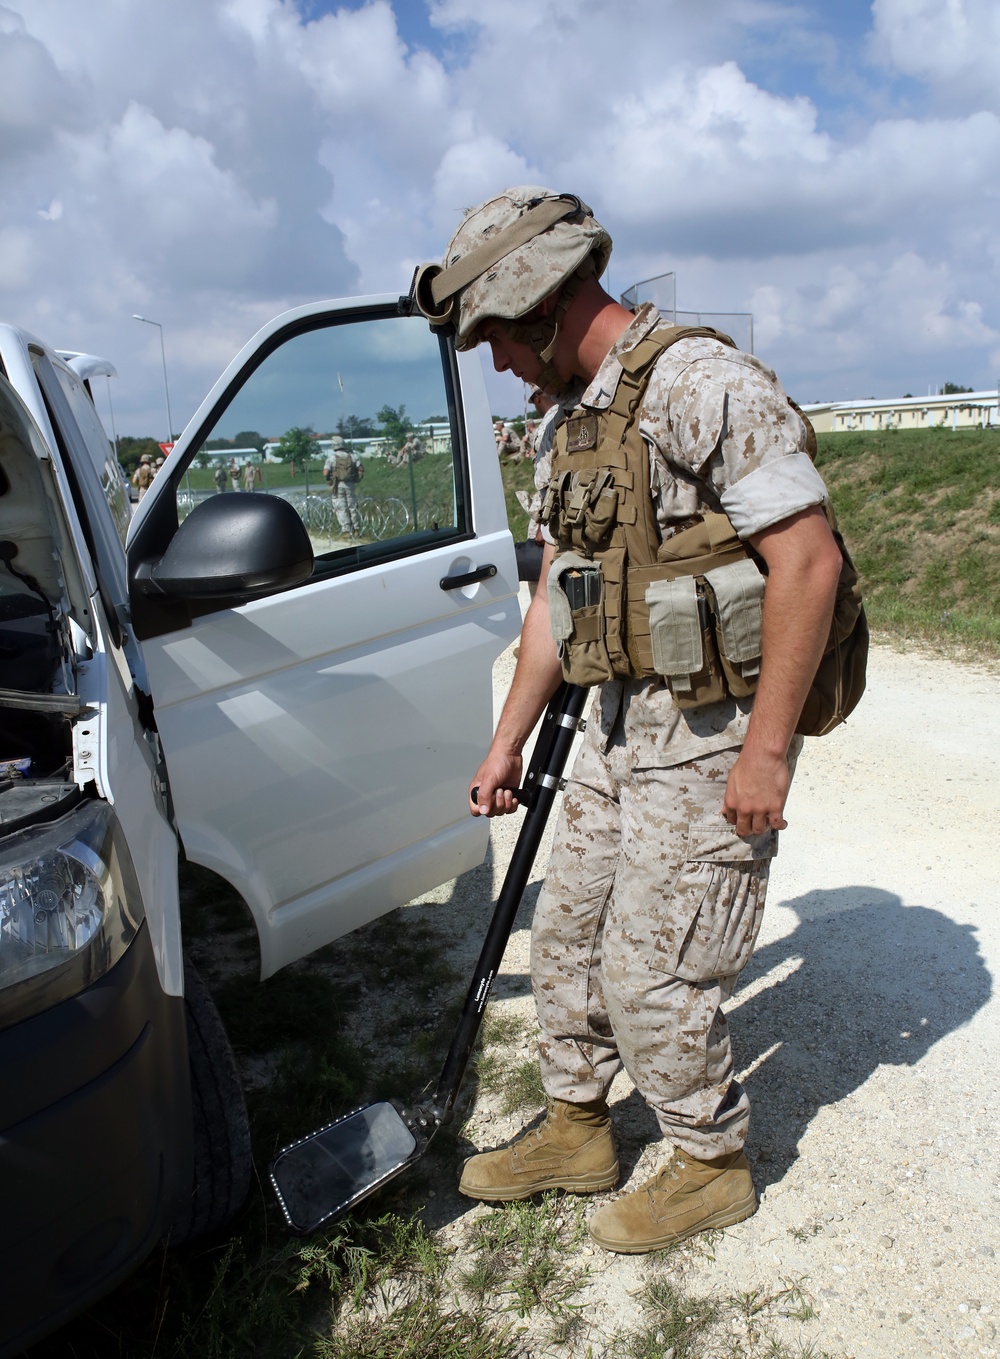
(163,356)
(166,389)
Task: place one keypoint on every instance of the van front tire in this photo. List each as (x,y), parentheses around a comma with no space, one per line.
(221,1131)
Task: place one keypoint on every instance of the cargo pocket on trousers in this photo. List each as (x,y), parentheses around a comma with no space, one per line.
(713,916)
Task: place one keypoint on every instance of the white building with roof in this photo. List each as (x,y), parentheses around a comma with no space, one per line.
(960,410)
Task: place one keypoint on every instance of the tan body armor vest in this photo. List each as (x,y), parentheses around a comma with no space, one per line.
(689,609)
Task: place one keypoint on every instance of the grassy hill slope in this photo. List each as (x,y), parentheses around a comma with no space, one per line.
(920,511)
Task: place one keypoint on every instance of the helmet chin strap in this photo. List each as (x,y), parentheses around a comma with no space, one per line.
(541,334)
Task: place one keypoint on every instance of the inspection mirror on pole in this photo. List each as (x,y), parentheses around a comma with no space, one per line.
(324,1175)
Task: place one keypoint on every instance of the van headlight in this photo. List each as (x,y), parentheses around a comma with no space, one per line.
(69,908)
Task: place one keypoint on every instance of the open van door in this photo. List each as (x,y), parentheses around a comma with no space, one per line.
(323,691)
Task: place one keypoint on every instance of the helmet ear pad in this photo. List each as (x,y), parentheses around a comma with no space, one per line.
(538,333)
(539,328)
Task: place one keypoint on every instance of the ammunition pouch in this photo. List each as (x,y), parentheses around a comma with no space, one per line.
(577,613)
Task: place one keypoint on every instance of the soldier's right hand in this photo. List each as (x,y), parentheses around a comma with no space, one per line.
(494,779)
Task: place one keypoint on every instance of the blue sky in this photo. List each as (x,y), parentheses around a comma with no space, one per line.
(209,163)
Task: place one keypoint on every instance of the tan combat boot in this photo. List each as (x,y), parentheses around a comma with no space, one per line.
(571,1149)
(686,1196)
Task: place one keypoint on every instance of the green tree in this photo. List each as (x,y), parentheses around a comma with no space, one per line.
(249,438)
(296,445)
(356,426)
(396,425)
(953,389)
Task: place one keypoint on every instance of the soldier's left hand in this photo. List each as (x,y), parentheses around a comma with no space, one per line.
(755,794)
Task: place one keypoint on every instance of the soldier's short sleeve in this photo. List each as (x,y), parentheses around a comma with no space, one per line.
(733,426)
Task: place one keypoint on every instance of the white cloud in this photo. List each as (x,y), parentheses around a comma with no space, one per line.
(212,162)
(951,43)
(18,259)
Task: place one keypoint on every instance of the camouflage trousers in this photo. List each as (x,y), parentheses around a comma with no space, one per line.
(345,507)
(650,910)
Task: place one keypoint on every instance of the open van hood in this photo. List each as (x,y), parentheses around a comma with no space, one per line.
(40,586)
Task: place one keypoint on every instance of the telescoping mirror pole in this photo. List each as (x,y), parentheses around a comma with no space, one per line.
(325,1174)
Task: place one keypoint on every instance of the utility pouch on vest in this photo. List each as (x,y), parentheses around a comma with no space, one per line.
(682,643)
(576,611)
(729,588)
(736,598)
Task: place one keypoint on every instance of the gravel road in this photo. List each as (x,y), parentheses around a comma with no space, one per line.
(865,1030)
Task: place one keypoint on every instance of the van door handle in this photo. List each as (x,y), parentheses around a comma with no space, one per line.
(467,577)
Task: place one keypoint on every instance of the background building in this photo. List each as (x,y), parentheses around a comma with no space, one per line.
(962,410)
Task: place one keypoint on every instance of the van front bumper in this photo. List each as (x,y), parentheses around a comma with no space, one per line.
(95,1143)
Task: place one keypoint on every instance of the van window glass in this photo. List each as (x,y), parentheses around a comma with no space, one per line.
(99,447)
(353,424)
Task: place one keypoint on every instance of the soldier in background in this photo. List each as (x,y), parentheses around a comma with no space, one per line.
(508,444)
(528,440)
(529,553)
(412,451)
(219,477)
(142,477)
(342,471)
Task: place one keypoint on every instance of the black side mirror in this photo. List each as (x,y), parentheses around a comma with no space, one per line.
(232,545)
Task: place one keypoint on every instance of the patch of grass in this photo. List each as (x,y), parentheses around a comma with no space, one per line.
(419,1328)
(519,1257)
(296,1005)
(919,511)
(398,1306)
(517,1081)
(676,1324)
(413,951)
(502,1027)
(805,1232)
(517,476)
(519,1086)
(221,1299)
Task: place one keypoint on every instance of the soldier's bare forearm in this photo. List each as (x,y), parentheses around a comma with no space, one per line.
(536,679)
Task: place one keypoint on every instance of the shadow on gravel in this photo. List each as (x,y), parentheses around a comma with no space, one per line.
(863,981)
(877,983)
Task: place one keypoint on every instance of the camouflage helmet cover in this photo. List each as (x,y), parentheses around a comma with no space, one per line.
(337,441)
(145,458)
(524,277)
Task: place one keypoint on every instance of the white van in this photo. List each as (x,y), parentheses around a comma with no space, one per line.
(299,710)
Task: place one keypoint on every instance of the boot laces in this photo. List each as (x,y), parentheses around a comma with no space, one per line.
(670,1171)
(538,1133)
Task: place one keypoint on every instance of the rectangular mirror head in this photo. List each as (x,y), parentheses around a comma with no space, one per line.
(325,1174)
